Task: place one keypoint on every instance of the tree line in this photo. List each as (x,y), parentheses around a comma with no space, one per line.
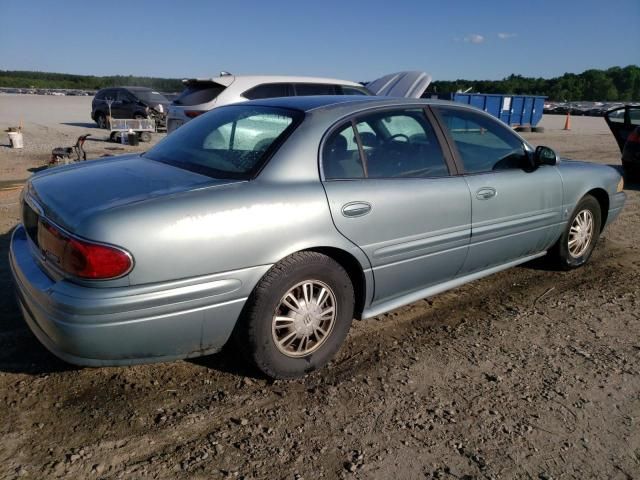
(28,79)
(613,84)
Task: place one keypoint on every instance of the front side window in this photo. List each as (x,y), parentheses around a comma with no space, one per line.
(151,97)
(229,142)
(483,144)
(396,144)
(268,90)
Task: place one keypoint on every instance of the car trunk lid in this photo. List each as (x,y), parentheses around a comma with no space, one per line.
(67,196)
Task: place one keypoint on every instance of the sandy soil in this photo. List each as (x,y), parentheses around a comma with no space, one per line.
(531,373)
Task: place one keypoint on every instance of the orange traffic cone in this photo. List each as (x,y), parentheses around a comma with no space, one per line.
(567,122)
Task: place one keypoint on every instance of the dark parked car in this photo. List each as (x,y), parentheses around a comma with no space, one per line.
(624,123)
(129,102)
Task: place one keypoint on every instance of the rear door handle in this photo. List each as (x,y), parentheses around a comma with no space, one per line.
(356,209)
(485,193)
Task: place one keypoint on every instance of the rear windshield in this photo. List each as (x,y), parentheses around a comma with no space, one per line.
(199,93)
(149,96)
(228,142)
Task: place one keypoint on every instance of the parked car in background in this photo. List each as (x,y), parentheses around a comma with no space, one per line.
(129,102)
(624,123)
(278,221)
(201,95)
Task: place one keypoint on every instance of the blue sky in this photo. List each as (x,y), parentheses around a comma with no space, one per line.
(351,40)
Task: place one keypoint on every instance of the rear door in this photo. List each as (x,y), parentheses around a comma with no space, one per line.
(392,191)
(622,121)
(517,210)
(121,104)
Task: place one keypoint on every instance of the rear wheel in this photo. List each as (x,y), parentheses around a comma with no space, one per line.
(575,246)
(297,317)
(145,136)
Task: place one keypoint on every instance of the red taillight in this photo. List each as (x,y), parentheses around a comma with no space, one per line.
(82,258)
(634,137)
(98,262)
(194,113)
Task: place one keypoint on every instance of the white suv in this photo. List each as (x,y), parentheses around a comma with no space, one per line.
(201,95)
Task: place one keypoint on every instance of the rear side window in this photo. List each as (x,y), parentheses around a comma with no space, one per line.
(349,90)
(341,158)
(484,144)
(306,89)
(269,90)
(199,93)
(110,94)
(395,144)
(229,142)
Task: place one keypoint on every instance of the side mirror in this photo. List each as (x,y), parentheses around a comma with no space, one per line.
(544,156)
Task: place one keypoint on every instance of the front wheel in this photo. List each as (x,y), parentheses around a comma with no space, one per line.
(101,120)
(297,317)
(575,246)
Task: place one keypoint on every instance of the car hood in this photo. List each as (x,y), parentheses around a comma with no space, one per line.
(69,195)
(410,84)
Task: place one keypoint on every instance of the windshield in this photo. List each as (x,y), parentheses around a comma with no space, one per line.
(228,142)
(151,97)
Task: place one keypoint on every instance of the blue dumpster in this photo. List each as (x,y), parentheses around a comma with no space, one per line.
(514,110)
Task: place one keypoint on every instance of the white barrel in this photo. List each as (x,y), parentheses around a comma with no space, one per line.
(15,138)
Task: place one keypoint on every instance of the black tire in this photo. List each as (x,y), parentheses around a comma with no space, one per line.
(101,120)
(145,136)
(631,172)
(537,129)
(254,334)
(561,252)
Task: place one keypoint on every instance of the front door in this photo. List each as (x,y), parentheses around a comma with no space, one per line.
(391,192)
(622,121)
(516,209)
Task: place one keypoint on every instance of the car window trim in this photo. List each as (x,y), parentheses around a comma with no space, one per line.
(361,152)
(453,163)
(452,144)
(355,118)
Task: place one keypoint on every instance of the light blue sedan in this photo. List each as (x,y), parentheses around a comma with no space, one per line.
(276,222)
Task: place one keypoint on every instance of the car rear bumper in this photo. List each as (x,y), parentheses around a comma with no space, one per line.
(128,325)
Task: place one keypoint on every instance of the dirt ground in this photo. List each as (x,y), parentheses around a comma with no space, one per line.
(530,373)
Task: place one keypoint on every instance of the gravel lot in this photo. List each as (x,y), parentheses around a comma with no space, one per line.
(530,373)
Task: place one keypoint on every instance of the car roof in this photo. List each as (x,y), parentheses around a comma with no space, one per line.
(343,102)
(136,89)
(250,80)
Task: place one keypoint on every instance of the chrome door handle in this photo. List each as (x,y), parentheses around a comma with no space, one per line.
(356,209)
(485,193)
